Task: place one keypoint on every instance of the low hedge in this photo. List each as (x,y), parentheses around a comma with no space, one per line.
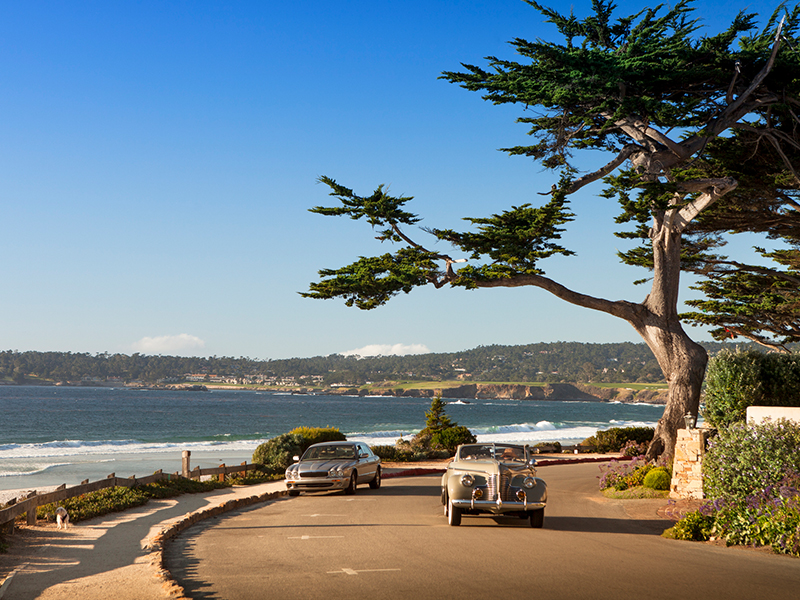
(736,380)
(614,439)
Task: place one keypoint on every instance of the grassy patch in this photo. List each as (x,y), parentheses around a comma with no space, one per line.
(635,493)
(631,386)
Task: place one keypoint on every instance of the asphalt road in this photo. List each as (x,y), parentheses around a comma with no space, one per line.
(395,543)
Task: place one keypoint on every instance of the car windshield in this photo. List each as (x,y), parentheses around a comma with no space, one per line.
(497,451)
(329,452)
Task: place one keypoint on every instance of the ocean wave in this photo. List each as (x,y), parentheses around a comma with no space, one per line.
(542,431)
(66,448)
(31,469)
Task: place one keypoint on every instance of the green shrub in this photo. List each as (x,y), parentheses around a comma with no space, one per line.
(694,526)
(556,446)
(95,504)
(317,435)
(169,488)
(612,440)
(275,455)
(452,437)
(657,479)
(736,380)
(745,459)
(393,453)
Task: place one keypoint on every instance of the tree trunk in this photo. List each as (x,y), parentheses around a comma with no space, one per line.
(683,363)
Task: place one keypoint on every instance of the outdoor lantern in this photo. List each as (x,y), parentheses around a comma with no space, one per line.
(690,419)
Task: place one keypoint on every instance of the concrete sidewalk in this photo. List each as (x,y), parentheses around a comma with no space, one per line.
(115,556)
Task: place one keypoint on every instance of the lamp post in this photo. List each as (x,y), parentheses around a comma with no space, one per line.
(690,420)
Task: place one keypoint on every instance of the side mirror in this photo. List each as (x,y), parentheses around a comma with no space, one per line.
(295,458)
(532,463)
(363,455)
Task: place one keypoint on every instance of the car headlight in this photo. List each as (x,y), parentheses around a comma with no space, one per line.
(467,480)
(336,472)
(529,482)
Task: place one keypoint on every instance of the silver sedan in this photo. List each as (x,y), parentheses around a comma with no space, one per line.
(334,466)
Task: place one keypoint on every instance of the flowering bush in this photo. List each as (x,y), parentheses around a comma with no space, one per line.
(770,517)
(624,475)
(632,448)
(751,473)
(745,459)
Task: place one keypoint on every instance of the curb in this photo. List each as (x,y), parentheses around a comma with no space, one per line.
(575,461)
(156,542)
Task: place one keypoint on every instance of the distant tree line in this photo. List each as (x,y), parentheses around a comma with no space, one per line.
(544,362)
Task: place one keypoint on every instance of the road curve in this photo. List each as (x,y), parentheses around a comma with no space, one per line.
(395,543)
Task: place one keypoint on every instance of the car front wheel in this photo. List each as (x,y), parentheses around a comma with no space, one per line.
(453,514)
(537,518)
(376,481)
(351,487)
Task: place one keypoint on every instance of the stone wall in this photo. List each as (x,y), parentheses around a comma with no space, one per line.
(687,476)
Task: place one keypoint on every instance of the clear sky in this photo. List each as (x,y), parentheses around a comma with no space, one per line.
(157,160)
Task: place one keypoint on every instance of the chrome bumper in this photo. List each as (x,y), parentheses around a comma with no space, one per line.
(310,485)
(497,506)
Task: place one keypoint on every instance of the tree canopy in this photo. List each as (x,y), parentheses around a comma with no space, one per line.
(700,134)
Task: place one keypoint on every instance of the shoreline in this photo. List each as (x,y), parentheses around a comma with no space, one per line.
(467,391)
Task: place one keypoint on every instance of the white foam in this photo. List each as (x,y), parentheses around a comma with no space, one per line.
(67,448)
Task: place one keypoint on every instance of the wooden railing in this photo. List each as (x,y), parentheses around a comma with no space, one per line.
(29,504)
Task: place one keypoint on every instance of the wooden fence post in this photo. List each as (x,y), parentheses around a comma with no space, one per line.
(32,509)
(186,469)
(222,475)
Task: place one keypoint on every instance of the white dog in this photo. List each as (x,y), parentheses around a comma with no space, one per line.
(62,517)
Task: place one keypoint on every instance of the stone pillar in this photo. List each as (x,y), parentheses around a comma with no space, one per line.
(687,475)
(185,468)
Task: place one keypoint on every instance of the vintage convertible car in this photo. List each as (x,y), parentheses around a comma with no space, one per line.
(334,466)
(494,479)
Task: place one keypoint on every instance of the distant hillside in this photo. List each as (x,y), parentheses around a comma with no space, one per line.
(558,362)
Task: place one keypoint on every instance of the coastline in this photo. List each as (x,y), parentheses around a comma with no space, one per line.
(473,391)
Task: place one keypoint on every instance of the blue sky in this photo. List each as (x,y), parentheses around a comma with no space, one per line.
(157,160)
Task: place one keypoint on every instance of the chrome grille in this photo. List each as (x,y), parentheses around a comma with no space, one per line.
(491,487)
(505,487)
(310,474)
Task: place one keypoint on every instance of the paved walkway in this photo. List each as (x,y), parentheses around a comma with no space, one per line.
(115,556)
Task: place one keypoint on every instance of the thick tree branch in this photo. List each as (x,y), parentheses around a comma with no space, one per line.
(718,188)
(624,154)
(631,312)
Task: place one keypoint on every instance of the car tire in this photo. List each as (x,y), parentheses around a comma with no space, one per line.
(453,514)
(537,518)
(376,481)
(351,487)
(294,492)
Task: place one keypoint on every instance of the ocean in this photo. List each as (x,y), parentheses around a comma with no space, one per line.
(55,435)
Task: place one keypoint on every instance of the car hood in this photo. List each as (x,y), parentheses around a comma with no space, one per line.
(490,466)
(309,466)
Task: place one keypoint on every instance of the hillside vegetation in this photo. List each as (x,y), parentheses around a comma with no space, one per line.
(557,362)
